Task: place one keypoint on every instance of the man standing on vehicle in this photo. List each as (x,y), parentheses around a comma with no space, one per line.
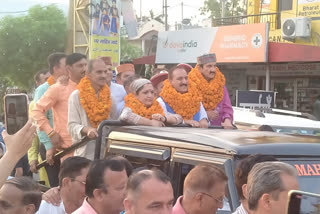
(57,69)
(89,106)
(211,84)
(268,187)
(149,192)
(203,191)
(117,91)
(124,71)
(179,96)
(56,97)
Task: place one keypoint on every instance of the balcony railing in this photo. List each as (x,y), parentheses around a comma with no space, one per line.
(273,19)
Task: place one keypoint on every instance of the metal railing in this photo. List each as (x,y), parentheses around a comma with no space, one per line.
(274,19)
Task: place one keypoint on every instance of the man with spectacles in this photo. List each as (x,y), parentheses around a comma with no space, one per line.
(203,191)
(72,180)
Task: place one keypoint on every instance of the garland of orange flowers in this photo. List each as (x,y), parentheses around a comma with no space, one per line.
(50,80)
(187,104)
(140,109)
(212,92)
(97,109)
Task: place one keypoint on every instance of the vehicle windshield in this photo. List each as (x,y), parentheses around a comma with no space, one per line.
(308,174)
(297,130)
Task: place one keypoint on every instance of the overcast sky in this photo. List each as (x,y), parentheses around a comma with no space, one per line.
(190,9)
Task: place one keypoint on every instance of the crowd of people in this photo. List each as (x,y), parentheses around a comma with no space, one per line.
(74,95)
(113,186)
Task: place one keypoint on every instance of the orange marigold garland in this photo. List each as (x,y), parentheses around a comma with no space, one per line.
(97,108)
(212,92)
(50,80)
(140,109)
(187,104)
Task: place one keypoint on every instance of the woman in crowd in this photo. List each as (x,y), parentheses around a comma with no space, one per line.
(141,107)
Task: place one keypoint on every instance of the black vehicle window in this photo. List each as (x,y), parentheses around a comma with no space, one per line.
(179,173)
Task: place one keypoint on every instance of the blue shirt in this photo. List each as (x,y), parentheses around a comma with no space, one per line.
(43,137)
(118,93)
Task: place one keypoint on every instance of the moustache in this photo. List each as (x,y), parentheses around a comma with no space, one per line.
(184,85)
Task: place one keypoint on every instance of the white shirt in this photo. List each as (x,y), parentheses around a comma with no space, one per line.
(77,119)
(240,210)
(118,92)
(203,113)
(46,208)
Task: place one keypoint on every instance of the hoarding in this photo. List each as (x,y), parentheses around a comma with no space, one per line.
(105,29)
(237,43)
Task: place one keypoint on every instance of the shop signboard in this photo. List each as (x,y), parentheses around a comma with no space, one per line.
(255,99)
(237,43)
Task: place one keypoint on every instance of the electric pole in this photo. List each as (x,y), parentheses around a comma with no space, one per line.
(181,12)
(141,11)
(166,14)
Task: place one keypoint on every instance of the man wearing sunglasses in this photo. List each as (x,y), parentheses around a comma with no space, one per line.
(72,181)
(203,191)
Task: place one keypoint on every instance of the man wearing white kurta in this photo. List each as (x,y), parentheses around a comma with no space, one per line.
(78,119)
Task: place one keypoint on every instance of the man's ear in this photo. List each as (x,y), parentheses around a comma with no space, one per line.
(97,194)
(244,191)
(128,205)
(65,182)
(30,209)
(265,201)
(199,199)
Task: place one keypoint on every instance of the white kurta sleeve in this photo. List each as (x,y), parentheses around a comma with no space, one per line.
(203,113)
(74,119)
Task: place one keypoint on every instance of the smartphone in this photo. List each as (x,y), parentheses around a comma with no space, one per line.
(16,112)
(303,202)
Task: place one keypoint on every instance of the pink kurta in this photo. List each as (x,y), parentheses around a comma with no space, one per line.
(178,209)
(55,98)
(224,108)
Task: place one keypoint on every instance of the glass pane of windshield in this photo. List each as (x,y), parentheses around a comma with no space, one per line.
(308,175)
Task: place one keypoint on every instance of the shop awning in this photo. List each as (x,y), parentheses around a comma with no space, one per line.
(286,52)
(145,60)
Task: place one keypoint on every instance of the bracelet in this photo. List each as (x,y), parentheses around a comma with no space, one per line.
(51,133)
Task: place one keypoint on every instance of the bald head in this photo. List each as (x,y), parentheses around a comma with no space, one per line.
(136,180)
(94,62)
(149,191)
(203,177)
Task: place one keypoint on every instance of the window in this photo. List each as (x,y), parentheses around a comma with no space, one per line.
(284,5)
(185,160)
(142,155)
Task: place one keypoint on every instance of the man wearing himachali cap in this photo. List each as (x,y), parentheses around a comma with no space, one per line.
(211,84)
(124,71)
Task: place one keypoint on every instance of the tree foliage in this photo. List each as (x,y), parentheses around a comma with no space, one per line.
(26,41)
(231,8)
(128,51)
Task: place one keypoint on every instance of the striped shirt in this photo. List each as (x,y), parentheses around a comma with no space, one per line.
(240,210)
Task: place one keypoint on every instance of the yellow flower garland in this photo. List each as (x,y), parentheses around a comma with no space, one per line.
(212,92)
(50,81)
(140,109)
(187,104)
(97,109)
